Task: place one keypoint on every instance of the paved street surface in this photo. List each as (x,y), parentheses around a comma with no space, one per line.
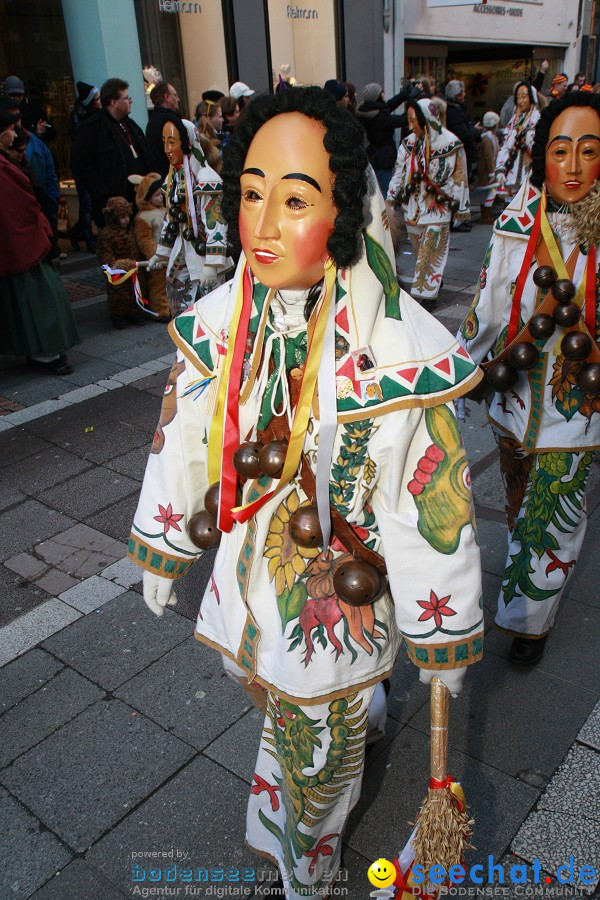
(121,737)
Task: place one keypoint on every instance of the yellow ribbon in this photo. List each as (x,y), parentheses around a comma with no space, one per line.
(558,262)
(215,437)
(301,416)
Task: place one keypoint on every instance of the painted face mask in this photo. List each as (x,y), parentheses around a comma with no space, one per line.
(573,154)
(523,99)
(286,210)
(172,144)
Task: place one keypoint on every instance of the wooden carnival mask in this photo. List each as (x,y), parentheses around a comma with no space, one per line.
(573,154)
(287,211)
(172,144)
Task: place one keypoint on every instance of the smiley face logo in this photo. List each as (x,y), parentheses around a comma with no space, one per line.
(381,873)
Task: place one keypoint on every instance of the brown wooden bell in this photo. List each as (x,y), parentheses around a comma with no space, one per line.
(523,355)
(576,345)
(409,189)
(246,459)
(305,528)
(272,458)
(417,177)
(544,276)
(563,290)
(431,189)
(566,314)
(588,379)
(453,205)
(211,500)
(541,325)
(203,531)
(501,376)
(357,582)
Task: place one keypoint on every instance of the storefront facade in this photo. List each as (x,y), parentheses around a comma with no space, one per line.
(51,44)
(492,45)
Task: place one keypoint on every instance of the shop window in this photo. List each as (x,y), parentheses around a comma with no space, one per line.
(303,48)
(33,46)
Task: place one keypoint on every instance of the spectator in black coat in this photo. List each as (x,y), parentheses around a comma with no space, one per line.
(166,105)
(376,115)
(459,123)
(108,147)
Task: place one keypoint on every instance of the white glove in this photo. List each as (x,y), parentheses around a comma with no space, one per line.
(452,678)
(501,178)
(157,262)
(158,592)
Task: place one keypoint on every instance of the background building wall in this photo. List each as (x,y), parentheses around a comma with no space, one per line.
(103,43)
(203,48)
(363,29)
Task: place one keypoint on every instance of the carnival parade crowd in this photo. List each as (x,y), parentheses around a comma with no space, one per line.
(305,435)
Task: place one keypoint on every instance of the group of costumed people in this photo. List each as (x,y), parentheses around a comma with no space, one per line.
(534,325)
(179,230)
(308,432)
(430,183)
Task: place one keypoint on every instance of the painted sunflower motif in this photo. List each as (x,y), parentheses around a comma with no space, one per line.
(287,561)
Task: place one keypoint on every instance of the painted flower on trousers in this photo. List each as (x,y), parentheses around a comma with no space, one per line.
(168,518)
(435,608)
(286,559)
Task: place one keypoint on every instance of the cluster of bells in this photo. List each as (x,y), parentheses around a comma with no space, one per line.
(179,217)
(413,186)
(575,345)
(515,149)
(356,581)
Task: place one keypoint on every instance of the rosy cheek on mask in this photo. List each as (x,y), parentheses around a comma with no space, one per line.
(244,232)
(313,247)
(552,173)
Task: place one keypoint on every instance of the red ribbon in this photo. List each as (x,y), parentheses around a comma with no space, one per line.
(513,325)
(231,430)
(437,785)
(590,293)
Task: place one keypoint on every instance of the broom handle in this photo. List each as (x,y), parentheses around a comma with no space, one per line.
(439,728)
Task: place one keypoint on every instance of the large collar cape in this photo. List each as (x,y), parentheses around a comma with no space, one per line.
(417,362)
(441,141)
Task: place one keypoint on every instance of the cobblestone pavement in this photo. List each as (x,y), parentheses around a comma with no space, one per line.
(122,738)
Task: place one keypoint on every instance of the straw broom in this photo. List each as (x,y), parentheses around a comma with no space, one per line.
(442,827)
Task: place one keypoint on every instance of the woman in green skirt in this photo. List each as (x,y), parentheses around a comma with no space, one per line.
(37,320)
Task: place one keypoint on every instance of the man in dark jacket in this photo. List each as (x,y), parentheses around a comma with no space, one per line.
(108,147)
(166,103)
(376,115)
(459,123)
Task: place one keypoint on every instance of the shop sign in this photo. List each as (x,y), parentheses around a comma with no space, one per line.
(497,10)
(178,6)
(298,12)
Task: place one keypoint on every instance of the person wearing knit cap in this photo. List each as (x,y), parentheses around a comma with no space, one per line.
(487,152)
(86,104)
(14,87)
(212,95)
(558,85)
(338,91)
(379,122)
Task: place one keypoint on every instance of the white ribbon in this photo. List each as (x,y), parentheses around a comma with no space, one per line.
(190,194)
(327,426)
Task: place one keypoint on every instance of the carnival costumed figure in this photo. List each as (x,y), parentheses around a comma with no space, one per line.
(535,315)
(430,182)
(308,431)
(148,227)
(193,242)
(117,248)
(514,157)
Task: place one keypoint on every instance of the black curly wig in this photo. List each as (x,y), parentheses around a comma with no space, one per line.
(421,118)
(185,138)
(526,84)
(542,129)
(347,160)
